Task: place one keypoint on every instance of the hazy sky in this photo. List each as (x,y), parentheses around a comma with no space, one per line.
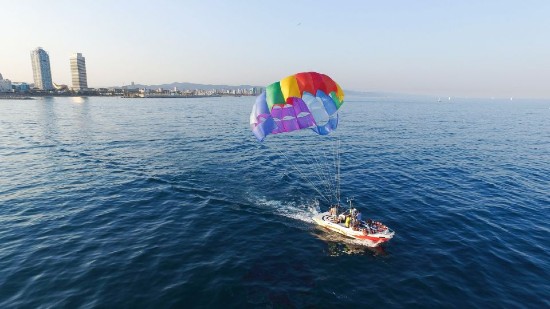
(455,48)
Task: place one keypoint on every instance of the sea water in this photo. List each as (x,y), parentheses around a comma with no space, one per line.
(111,202)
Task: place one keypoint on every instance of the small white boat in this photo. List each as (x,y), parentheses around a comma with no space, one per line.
(373,231)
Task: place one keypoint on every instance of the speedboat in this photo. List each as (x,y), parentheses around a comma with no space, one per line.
(374,232)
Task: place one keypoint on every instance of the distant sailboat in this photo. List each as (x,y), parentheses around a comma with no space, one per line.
(449,98)
(511,98)
(438,99)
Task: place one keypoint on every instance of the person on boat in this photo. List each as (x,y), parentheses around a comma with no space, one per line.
(370,226)
(348,221)
(356,219)
(342,218)
(332,211)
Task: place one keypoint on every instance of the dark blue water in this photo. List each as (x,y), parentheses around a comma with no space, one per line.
(127,203)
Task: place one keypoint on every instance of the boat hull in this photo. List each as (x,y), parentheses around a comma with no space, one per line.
(362,232)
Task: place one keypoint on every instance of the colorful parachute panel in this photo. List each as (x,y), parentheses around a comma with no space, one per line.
(300,101)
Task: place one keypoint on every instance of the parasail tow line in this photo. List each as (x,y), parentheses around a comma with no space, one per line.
(303,176)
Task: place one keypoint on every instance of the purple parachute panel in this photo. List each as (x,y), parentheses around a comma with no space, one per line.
(285,118)
(303,115)
(261,121)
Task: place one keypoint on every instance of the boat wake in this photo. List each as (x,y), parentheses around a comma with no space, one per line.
(301,211)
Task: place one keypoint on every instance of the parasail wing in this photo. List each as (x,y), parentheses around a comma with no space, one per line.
(300,101)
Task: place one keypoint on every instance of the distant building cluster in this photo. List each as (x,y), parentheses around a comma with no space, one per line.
(175,91)
(161,92)
(44,85)
(42,73)
(42,76)
(242,91)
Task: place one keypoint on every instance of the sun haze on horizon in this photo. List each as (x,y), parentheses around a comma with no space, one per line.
(489,48)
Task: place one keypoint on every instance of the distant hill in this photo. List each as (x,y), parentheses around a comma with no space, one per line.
(189,86)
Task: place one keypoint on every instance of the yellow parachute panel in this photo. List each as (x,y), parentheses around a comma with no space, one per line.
(289,87)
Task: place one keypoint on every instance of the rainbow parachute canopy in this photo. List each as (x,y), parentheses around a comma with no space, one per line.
(300,101)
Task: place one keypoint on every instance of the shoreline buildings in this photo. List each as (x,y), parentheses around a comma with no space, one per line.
(78,72)
(41,69)
(5,84)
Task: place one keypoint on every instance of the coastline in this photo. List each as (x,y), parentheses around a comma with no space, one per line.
(33,96)
(171,96)
(15,97)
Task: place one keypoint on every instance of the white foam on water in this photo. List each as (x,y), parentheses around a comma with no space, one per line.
(302,212)
(295,210)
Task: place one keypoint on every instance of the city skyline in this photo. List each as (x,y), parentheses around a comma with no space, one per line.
(493,48)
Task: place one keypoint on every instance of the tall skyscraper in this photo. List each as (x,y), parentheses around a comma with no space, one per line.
(41,69)
(78,72)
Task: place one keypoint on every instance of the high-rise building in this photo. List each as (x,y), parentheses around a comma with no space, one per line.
(78,72)
(41,69)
